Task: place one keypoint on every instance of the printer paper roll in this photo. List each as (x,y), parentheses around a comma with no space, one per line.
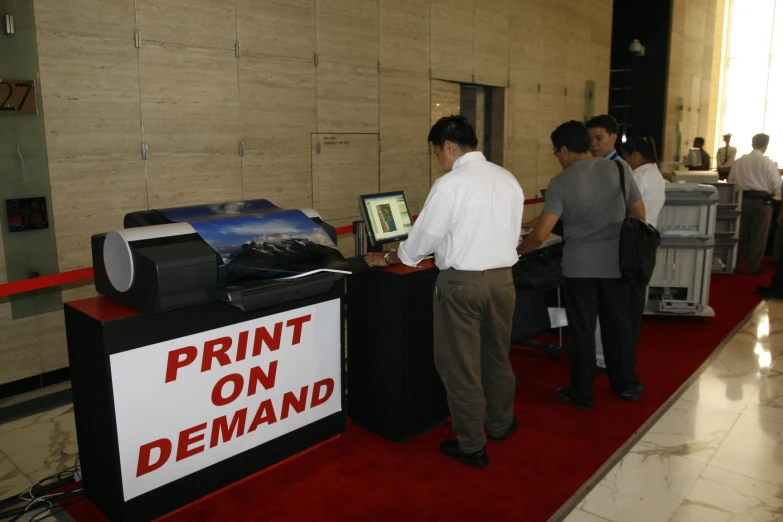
(270,245)
(218,210)
(117,254)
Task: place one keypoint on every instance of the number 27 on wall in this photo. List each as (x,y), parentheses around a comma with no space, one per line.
(18,96)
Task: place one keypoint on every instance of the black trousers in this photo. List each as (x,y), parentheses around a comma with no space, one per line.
(636,304)
(604,300)
(777,277)
(636,309)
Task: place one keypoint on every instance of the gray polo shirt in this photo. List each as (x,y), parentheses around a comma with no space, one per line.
(588,198)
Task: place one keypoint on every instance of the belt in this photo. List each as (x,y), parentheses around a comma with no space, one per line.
(756,194)
(452,269)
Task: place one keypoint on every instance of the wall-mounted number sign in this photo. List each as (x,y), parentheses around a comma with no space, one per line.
(17,97)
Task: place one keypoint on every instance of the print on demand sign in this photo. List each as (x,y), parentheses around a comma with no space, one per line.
(185,404)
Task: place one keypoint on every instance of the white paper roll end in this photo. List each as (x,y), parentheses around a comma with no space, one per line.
(118,261)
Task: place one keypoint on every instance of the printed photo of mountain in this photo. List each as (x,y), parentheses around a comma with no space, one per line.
(201,212)
(279,244)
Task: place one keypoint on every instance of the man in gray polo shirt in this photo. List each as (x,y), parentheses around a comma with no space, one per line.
(588,197)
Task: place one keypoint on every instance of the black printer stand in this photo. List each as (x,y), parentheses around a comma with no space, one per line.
(174,406)
(394,389)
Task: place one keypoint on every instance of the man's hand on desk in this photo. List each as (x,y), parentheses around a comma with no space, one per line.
(377,259)
(544,225)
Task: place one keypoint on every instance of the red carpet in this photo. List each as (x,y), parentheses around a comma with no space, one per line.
(362,477)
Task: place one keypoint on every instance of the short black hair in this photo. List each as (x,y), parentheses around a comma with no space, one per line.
(699,142)
(456,129)
(644,146)
(760,141)
(573,136)
(604,121)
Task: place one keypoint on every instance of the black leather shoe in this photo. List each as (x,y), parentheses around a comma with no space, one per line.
(510,431)
(477,459)
(769,292)
(564,396)
(632,393)
(599,370)
(518,382)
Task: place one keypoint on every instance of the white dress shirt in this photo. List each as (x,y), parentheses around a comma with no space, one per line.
(650,182)
(471,220)
(726,160)
(755,171)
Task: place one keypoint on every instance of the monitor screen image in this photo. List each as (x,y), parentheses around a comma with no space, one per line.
(387,216)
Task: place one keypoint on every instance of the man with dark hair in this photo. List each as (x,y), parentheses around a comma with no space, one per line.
(698,143)
(603,131)
(471,220)
(758,177)
(588,197)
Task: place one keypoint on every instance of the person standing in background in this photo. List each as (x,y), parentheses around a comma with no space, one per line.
(758,177)
(725,157)
(642,156)
(698,143)
(471,221)
(603,131)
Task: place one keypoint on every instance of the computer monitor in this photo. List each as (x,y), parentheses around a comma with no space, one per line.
(386,217)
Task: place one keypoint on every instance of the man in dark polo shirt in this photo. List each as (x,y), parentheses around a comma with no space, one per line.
(588,197)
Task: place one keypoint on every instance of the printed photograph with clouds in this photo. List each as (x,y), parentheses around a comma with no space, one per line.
(257,241)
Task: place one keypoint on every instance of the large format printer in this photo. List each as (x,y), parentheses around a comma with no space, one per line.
(216,298)
(159,262)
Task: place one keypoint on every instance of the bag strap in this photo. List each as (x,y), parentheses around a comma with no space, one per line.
(622,185)
(622,179)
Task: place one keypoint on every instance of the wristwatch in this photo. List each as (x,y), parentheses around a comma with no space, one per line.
(386,258)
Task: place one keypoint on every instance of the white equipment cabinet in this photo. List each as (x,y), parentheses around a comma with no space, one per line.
(724,259)
(680,284)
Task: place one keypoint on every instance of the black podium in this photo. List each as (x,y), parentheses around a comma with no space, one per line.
(173,406)
(393,387)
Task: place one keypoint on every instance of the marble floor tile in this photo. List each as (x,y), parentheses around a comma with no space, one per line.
(722,496)
(578,515)
(12,481)
(729,393)
(754,448)
(690,430)
(747,358)
(643,487)
(44,448)
(772,343)
(768,402)
(38,418)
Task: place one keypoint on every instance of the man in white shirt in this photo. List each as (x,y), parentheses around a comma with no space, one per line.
(726,157)
(471,220)
(758,177)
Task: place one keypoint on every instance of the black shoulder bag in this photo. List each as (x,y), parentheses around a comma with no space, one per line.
(639,242)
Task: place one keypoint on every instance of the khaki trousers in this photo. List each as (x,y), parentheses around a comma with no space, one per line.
(754,232)
(472,326)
